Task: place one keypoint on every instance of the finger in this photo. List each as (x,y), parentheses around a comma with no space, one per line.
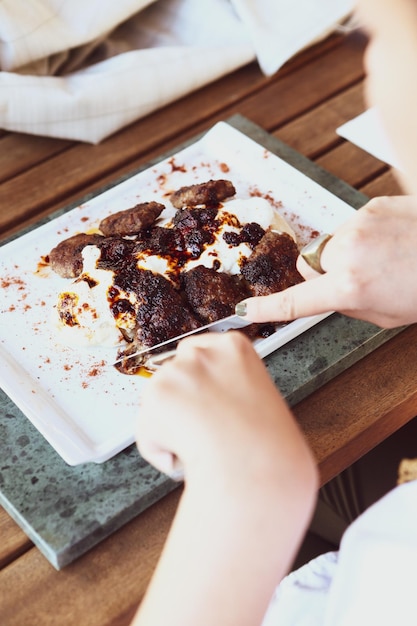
(198,344)
(311,297)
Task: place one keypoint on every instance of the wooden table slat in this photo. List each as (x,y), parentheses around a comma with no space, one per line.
(13,542)
(19,153)
(351,164)
(383,185)
(314,133)
(97,589)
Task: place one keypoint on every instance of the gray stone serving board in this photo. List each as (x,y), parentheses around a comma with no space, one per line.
(67,510)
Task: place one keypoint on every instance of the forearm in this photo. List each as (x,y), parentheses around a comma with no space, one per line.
(225,554)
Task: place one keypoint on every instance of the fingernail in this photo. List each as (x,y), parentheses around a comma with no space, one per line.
(241,309)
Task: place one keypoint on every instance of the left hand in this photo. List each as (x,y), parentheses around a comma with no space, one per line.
(370,266)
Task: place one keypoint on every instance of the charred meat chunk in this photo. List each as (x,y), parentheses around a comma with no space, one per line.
(160,240)
(131,221)
(251,234)
(187,220)
(195,242)
(211,294)
(133,365)
(197,228)
(115,252)
(209,193)
(161,312)
(272,265)
(66,258)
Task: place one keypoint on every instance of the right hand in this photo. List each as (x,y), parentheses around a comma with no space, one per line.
(215,409)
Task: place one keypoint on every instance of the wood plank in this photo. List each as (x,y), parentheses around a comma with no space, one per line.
(13,542)
(288,97)
(384,185)
(314,133)
(19,152)
(351,164)
(103,587)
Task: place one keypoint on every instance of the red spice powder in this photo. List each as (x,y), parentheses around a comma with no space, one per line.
(8,281)
(175,167)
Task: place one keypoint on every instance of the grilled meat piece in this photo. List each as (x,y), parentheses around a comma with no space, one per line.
(131,221)
(210,194)
(186,239)
(160,240)
(211,294)
(161,312)
(272,265)
(115,252)
(197,227)
(131,365)
(66,258)
(251,234)
(187,220)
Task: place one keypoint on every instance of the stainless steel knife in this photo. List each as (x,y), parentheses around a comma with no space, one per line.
(232,322)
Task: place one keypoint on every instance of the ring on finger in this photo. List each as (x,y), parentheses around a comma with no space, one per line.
(312,252)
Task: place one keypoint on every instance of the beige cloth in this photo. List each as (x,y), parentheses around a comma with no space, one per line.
(82,69)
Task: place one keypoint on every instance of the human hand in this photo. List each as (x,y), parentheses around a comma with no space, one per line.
(370,266)
(216,410)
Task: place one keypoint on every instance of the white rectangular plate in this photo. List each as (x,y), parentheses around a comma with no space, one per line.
(83,407)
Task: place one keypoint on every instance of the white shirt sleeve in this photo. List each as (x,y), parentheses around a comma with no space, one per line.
(371,581)
(375,582)
(301,598)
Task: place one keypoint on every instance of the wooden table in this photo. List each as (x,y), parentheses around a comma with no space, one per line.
(302,105)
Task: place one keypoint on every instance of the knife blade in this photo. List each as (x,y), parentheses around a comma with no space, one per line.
(232,322)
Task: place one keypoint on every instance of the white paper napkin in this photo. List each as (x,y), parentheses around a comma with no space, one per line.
(82,69)
(366,131)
